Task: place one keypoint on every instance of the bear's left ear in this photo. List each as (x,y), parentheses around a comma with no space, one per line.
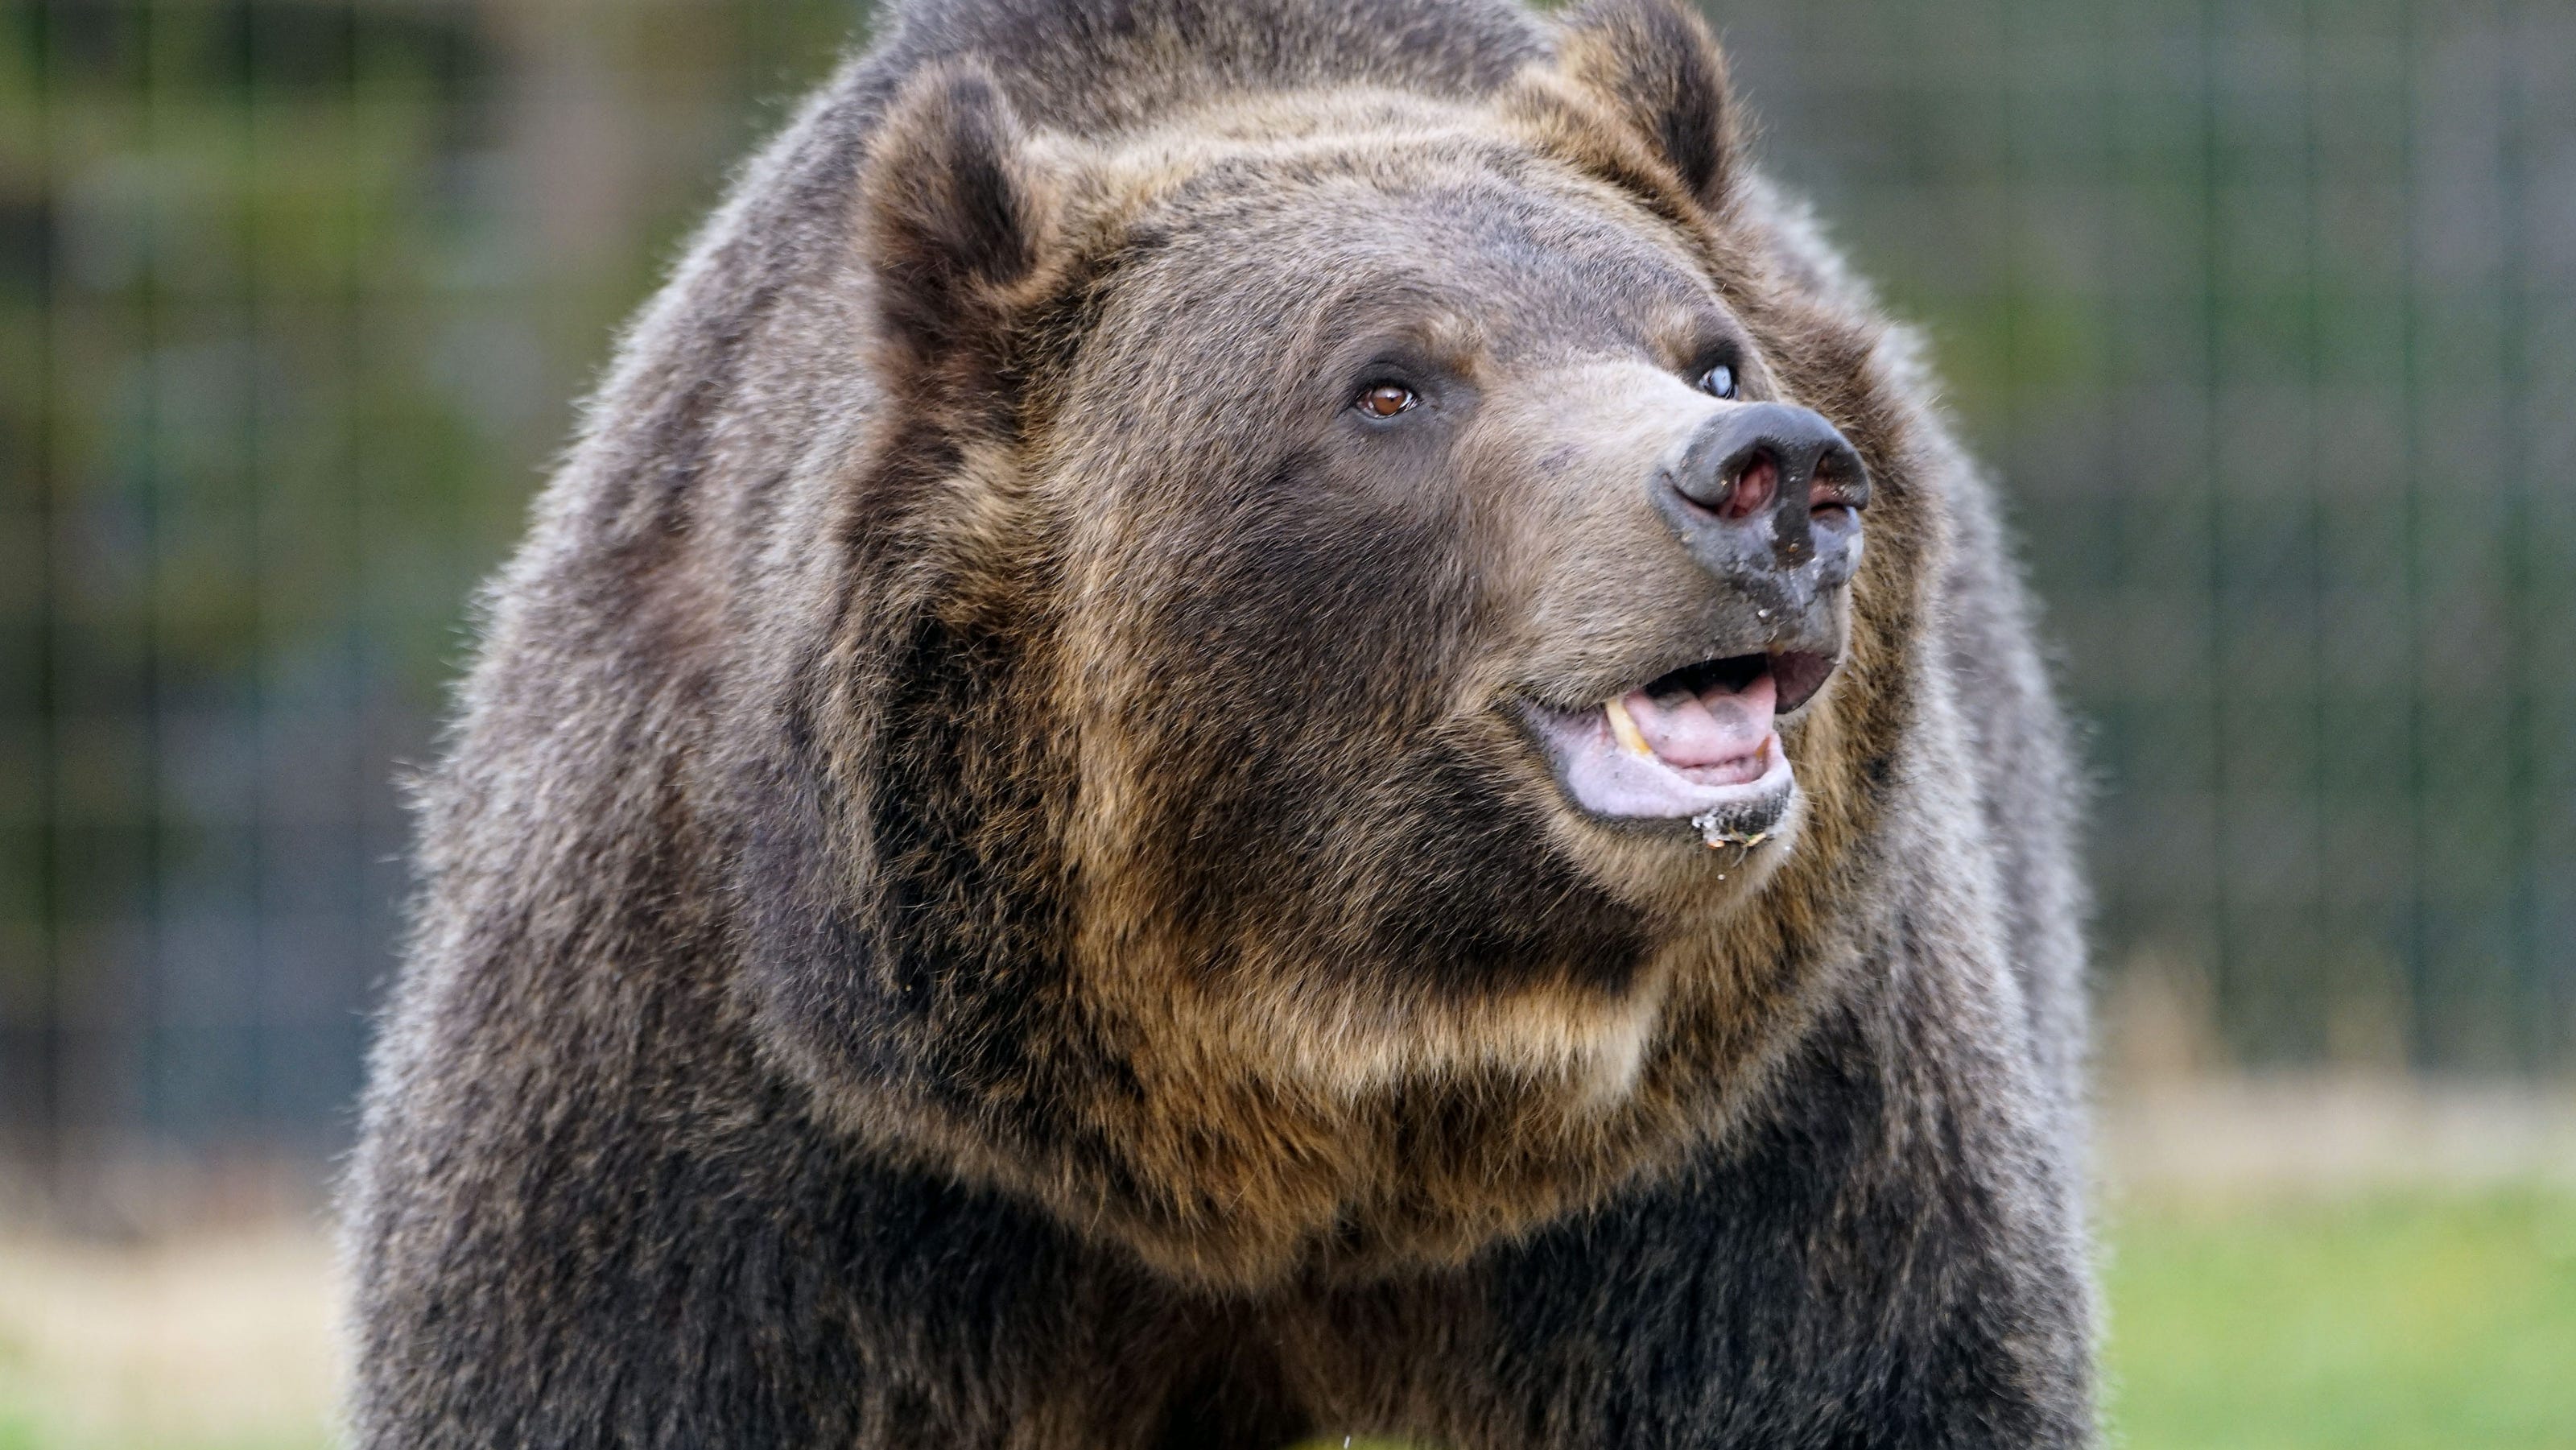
(955,216)
(1655,66)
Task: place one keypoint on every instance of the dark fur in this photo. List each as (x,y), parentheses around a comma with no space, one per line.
(965,909)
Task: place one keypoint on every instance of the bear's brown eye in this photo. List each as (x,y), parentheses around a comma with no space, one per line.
(1385,400)
(1718,382)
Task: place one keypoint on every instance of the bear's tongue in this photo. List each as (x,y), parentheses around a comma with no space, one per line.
(1715,736)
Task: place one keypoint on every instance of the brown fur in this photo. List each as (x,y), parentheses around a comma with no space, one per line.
(953,745)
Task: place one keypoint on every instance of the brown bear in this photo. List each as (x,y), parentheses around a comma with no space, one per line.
(1245,719)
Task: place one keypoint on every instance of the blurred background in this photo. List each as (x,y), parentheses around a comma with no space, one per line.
(2264,311)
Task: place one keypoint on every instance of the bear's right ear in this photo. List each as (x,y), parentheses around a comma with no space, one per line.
(954,214)
(1653,65)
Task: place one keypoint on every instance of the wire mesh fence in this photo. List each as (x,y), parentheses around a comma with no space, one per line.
(2265,312)
(297,296)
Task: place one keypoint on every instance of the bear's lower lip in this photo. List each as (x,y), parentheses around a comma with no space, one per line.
(1697,743)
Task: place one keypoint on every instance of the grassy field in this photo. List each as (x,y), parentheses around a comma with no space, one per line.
(2441,1323)
(2388,1322)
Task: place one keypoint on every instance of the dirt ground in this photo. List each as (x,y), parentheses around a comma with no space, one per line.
(204,1340)
(2330,1135)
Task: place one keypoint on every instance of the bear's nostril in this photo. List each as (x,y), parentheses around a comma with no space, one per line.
(1840,481)
(1753,489)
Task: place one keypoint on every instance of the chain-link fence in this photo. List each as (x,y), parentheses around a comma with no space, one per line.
(2266,312)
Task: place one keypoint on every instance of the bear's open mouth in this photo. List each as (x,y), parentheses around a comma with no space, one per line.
(1698,742)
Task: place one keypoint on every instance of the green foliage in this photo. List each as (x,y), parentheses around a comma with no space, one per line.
(297,298)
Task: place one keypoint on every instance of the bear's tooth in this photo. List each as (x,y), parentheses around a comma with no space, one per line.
(1624,726)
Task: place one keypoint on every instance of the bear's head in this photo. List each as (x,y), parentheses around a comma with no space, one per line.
(1344,697)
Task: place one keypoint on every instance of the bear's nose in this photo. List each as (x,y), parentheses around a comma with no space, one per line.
(1746,458)
(1766,483)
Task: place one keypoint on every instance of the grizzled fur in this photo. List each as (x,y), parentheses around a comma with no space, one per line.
(987,891)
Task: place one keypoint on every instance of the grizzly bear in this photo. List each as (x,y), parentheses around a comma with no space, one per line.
(1245,720)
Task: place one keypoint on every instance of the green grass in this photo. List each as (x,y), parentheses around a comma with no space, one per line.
(2447,1324)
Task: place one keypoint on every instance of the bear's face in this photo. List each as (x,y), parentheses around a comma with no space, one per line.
(1355,623)
(1415,673)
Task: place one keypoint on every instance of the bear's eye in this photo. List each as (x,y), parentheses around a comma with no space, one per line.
(1718,382)
(1385,400)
